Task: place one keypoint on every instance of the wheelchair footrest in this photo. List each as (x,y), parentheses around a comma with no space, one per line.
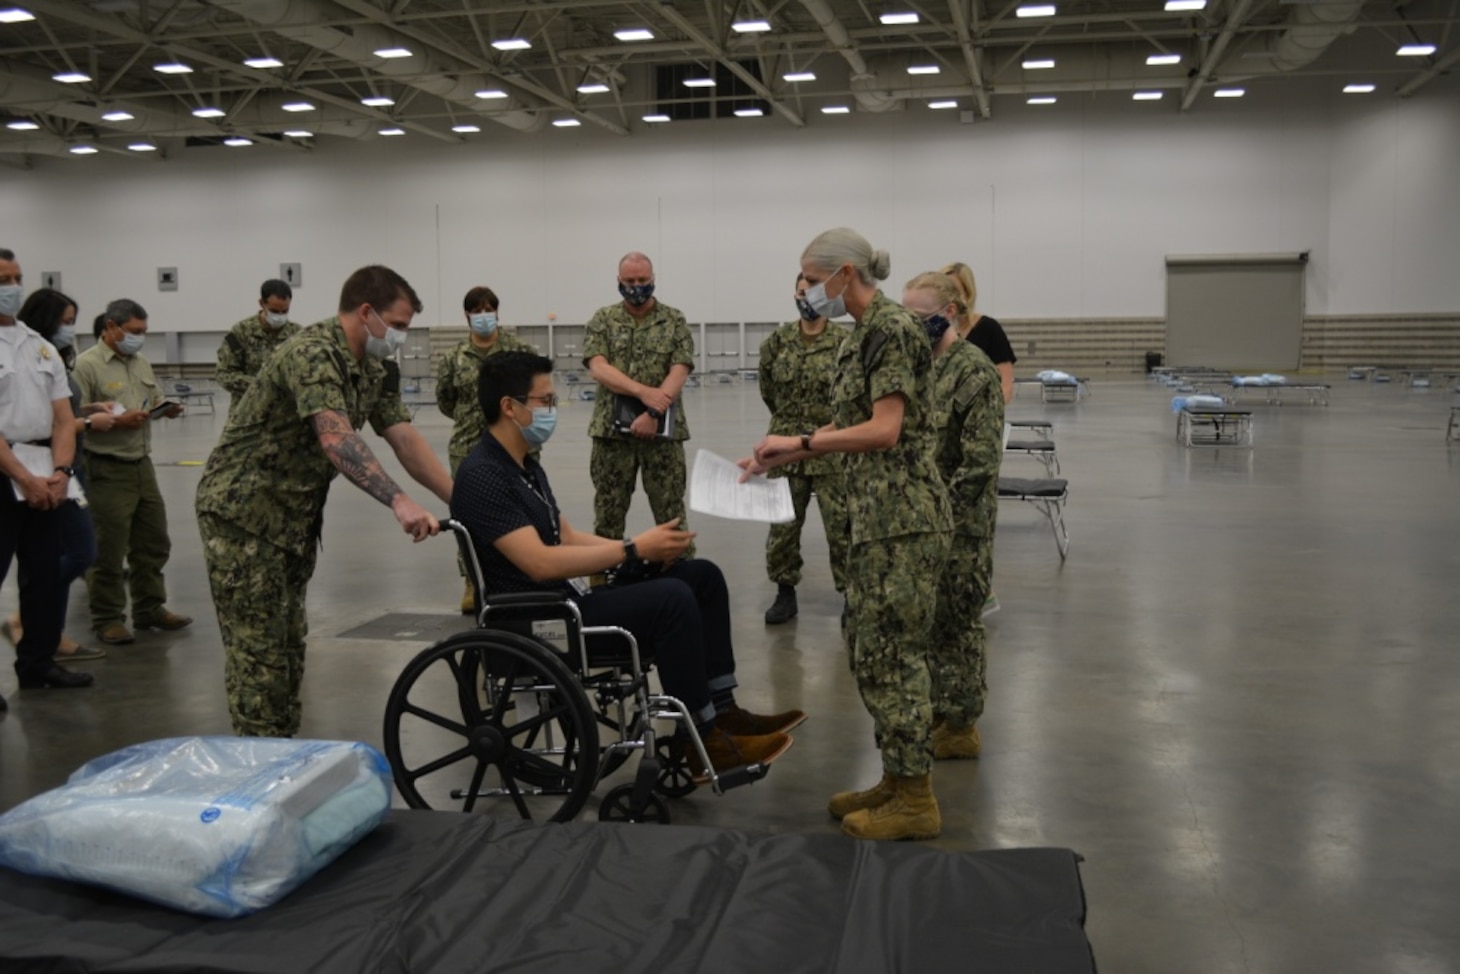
(745,774)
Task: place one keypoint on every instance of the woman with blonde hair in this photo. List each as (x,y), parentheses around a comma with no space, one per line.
(897,509)
(983,331)
(968,413)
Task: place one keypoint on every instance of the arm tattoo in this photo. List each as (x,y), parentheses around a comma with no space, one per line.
(348,452)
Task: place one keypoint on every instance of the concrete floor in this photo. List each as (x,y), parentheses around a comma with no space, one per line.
(1235,698)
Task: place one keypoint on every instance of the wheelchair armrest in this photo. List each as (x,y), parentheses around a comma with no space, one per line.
(516,599)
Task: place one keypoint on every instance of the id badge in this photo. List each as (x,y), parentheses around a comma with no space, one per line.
(580,585)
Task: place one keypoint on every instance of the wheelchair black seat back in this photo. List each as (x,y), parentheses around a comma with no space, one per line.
(499,720)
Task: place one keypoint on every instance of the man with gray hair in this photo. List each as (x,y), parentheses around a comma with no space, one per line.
(641,352)
(132,544)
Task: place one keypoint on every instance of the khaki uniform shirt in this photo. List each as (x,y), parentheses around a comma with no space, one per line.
(268,473)
(968,410)
(243,352)
(795,382)
(456,390)
(642,349)
(897,491)
(104,376)
(32,377)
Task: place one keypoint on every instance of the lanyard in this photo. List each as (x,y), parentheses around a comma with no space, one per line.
(552,511)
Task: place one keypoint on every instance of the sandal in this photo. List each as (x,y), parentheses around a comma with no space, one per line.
(80,653)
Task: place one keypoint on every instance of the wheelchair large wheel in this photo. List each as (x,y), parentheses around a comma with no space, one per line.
(493,722)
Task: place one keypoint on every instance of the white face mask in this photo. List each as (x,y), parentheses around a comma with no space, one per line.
(130,344)
(10,299)
(824,306)
(275,320)
(65,336)
(386,346)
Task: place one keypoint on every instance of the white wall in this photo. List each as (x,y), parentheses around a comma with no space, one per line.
(1064,211)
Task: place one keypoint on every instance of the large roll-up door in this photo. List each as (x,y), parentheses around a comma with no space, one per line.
(1235,311)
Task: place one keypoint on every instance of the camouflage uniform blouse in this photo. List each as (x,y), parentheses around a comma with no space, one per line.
(795,382)
(244,350)
(968,411)
(644,350)
(268,474)
(456,390)
(897,491)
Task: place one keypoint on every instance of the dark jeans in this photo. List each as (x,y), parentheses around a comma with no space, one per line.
(33,539)
(78,551)
(682,621)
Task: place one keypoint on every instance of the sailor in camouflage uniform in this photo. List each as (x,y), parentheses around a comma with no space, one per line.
(250,342)
(456,387)
(797,365)
(900,521)
(260,502)
(968,409)
(642,349)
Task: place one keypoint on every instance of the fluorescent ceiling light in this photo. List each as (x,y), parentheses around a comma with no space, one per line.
(512,44)
(797,76)
(83,150)
(1147,96)
(394,52)
(142,147)
(898,18)
(1155,60)
(836,110)
(15,15)
(634,34)
(488,93)
(566,123)
(466,129)
(22,125)
(118,116)
(1177,6)
(938,105)
(1407,50)
(1039,64)
(1229,92)
(750,26)
(393,131)
(655,119)
(297,106)
(71,78)
(923,69)
(209,112)
(1042,100)
(1037,10)
(1357,89)
(298,134)
(594,88)
(172,67)
(699,82)
(237,141)
(748,113)
(263,62)
(377,101)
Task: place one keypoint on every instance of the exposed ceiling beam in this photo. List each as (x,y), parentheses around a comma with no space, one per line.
(971,57)
(718,53)
(1440,67)
(1235,19)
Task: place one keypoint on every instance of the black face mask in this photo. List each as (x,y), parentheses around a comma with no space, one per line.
(935,325)
(636,294)
(808,313)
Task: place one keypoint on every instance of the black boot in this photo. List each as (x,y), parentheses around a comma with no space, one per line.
(784,608)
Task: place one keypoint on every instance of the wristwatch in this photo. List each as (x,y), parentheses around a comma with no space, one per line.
(806,440)
(631,552)
(86,422)
(67,471)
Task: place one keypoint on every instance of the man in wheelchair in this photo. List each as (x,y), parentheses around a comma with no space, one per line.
(678,608)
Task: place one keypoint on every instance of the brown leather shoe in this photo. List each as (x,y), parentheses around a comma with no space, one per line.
(739,722)
(727,751)
(165,620)
(116,634)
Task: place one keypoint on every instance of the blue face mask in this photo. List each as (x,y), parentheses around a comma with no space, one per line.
(65,336)
(824,306)
(935,325)
(130,344)
(483,323)
(544,421)
(808,313)
(636,294)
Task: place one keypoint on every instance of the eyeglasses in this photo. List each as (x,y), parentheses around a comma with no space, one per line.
(550,400)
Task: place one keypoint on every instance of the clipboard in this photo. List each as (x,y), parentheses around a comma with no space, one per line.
(626,409)
(162,407)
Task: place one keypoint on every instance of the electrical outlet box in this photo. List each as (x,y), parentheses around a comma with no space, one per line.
(167,278)
(51,279)
(292,274)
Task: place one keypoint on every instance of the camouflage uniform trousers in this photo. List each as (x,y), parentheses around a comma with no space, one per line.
(783,544)
(258,589)
(891,591)
(957,662)
(616,463)
(132,544)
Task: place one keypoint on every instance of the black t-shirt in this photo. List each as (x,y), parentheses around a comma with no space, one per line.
(493,497)
(989,335)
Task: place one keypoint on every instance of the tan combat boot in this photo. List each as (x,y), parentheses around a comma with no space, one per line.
(955,742)
(469,600)
(843,803)
(911,813)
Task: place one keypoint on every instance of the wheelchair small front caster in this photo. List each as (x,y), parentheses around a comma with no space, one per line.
(618,806)
(675,779)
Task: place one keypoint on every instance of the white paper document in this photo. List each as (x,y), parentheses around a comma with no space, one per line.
(37,460)
(715,488)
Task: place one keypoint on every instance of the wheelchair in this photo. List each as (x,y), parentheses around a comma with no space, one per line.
(499,720)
